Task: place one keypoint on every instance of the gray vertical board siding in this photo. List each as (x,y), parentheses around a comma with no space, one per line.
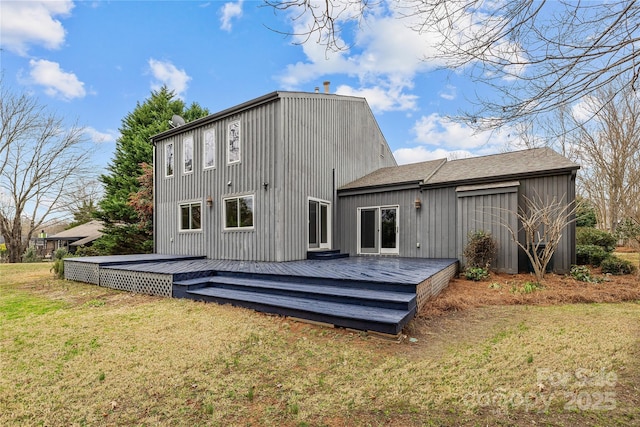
(439,226)
(490,213)
(433,226)
(292,142)
(562,187)
(407,220)
(324,134)
(258,165)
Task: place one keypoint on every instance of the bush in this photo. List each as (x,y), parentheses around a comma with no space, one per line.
(30,255)
(476,273)
(593,236)
(480,250)
(58,268)
(60,253)
(590,255)
(583,274)
(617,266)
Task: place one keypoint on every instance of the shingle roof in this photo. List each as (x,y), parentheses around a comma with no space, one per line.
(502,165)
(474,169)
(411,173)
(91,228)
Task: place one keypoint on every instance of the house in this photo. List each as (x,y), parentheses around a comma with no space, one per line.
(290,173)
(290,176)
(259,181)
(73,238)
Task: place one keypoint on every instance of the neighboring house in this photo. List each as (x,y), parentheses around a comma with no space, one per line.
(73,238)
(288,173)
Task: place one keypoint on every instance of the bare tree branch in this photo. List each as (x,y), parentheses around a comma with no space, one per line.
(528,57)
(42,161)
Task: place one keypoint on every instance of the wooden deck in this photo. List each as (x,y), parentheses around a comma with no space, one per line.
(369,293)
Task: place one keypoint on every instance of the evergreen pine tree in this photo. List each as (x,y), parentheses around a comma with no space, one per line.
(122,235)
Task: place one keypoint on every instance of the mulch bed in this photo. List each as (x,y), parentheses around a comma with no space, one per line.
(506,289)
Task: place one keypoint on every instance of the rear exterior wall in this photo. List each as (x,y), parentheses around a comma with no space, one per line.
(295,147)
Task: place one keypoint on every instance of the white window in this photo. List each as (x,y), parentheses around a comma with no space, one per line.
(209,149)
(233,142)
(187,154)
(191,216)
(238,212)
(168,160)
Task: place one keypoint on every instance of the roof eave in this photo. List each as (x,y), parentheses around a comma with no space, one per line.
(498,178)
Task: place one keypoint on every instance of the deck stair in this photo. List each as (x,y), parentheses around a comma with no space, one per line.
(328,254)
(379,307)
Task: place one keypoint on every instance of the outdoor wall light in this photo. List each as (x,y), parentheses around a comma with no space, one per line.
(229,184)
(209,201)
(265,185)
(418,203)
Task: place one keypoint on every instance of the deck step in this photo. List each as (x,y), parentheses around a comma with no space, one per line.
(373,298)
(384,320)
(328,254)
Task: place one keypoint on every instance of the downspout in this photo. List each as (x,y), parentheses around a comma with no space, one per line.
(153,193)
(334,208)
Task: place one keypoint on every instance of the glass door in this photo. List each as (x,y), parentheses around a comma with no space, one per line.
(319,224)
(378,230)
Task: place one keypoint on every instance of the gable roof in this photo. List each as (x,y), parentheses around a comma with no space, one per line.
(504,166)
(270,97)
(85,231)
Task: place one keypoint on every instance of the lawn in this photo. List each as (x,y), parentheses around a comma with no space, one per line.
(78,354)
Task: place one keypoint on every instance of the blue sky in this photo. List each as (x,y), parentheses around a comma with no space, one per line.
(91,61)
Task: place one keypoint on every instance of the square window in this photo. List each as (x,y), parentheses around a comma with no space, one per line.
(238,212)
(191,216)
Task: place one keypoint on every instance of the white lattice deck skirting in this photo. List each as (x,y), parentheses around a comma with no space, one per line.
(432,286)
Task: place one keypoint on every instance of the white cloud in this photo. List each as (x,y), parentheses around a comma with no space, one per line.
(26,23)
(422,154)
(169,75)
(439,137)
(385,57)
(449,92)
(229,12)
(439,131)
(100,137)
(56,82)
(381,98)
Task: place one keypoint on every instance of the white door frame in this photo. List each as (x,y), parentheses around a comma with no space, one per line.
(320,244)
(377,248)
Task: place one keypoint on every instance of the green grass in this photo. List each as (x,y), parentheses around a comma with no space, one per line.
(78,354)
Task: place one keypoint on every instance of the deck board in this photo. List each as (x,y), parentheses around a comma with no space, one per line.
(371,269)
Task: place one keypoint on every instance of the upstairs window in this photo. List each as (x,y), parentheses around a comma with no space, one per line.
(168,160)
(238,212)
(191,216)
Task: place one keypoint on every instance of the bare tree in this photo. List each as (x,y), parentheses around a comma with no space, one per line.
(542,222)
(530,57)
(609,150)
(42,162)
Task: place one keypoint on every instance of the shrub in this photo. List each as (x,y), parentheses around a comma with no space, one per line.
(617,266)
(590,255)
(480,250)
(476,273)
(593,236)
(58,268)
(583,274)
(30,255)
(60,253)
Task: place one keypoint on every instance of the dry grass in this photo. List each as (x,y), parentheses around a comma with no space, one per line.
(77,354)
